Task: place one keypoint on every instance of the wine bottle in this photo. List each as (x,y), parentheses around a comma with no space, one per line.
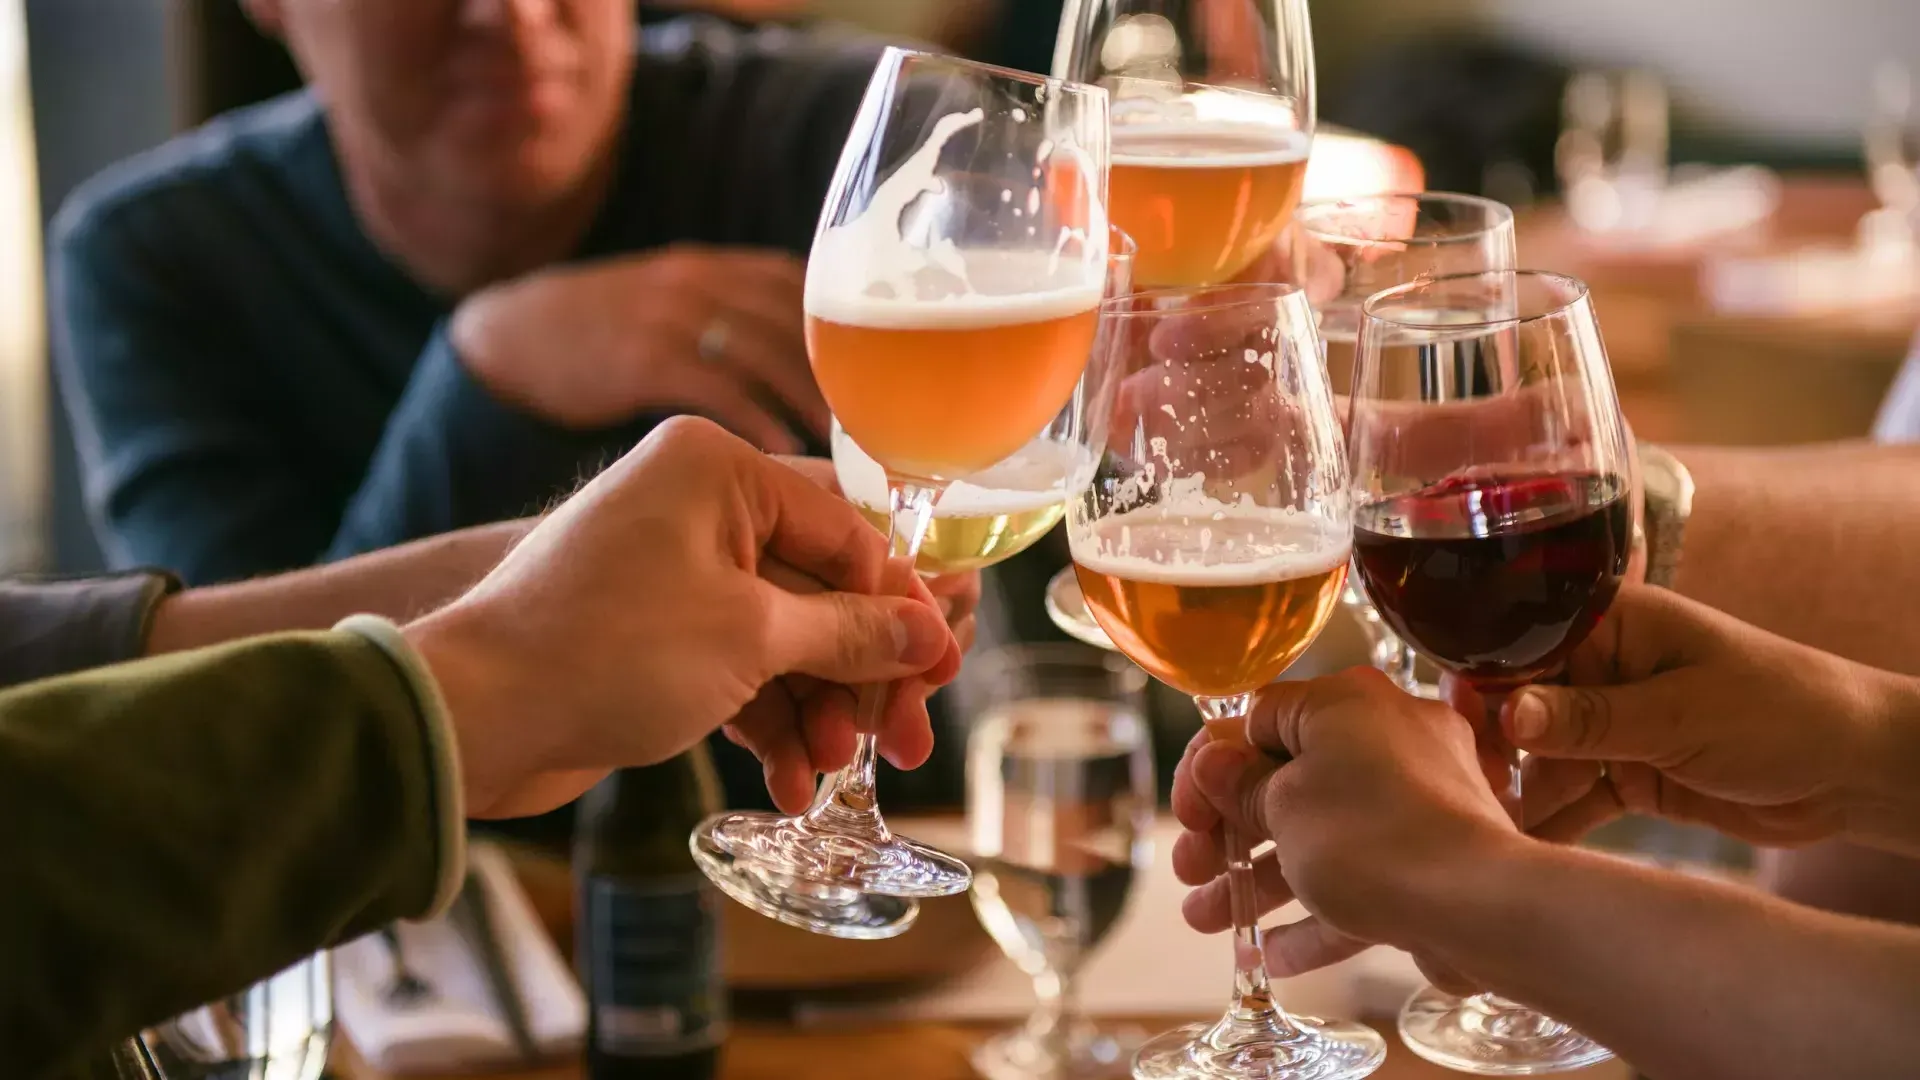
(648,939)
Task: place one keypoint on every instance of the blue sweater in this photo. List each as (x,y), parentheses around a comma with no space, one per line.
(256,387)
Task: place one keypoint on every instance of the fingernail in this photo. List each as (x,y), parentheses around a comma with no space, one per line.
(918,639)
(1529,717)
(1217,767)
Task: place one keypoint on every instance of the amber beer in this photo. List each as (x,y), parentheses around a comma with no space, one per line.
(944,388)
(1203,202)
(1212,604)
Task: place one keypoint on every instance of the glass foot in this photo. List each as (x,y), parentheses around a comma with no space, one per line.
(1490,1036)
(1068,610)
(1313,1050)
(1087,1052)
(833,910)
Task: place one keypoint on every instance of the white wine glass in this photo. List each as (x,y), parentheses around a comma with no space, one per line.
(1345,250)
(990,516)
(1211,546)
(1213,119)
(1060,798)
(951,300)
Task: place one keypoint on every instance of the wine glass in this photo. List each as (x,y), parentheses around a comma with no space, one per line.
(1213,117)
(277,1029)
(951,300)
(1345,250)
(1493,519)
(1060,799)
(990,516)
(1211,546)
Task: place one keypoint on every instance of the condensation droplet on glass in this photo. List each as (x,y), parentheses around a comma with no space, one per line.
(1019,115)
(1033,200)
(1006,196)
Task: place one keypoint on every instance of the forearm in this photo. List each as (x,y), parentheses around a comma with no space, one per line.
(399,583)
(1687,979)
(1815,544)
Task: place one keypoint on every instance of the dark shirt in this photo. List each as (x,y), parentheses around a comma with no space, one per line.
(255,387)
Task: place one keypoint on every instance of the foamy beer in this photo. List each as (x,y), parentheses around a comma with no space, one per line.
(1203,200)
(1212,601)
(985,519)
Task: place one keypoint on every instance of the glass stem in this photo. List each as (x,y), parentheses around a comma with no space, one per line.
(1253,1005)
(1500,760)
(852,793)
(1046,1025)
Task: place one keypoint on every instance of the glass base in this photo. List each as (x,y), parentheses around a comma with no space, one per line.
(1490,1036)
(1229,1050)
(1067,607)
(846,881)
(1088,1052)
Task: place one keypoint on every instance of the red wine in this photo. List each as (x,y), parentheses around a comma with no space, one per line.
(1496,578)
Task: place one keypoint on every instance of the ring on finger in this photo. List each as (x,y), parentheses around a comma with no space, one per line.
(712,344)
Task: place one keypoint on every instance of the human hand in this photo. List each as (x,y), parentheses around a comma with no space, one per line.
(1676,710)
(1382,799)
(713,331)
(636,619)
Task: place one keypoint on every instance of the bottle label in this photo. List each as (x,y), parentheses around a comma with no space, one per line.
(653,966)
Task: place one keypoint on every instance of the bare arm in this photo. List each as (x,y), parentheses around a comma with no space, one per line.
(400,583)
(1813,543)
(1817,544)
(1705,981)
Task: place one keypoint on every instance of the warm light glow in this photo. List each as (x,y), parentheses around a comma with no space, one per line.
(23,342)
(1348,166)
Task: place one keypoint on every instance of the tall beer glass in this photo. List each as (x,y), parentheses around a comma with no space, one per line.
(1213,116)
(1345,250)
(951,301)
(1211,545)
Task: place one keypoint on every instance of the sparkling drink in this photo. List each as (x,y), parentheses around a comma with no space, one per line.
(1212,611)
(1496,578)
(1203,201)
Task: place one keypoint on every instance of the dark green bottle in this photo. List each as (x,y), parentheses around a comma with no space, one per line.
(648,938)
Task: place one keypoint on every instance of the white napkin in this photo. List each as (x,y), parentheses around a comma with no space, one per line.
(460,1027)
(1149,965)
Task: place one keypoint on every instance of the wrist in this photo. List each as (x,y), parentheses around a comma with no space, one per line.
(1445,889)
(1885,809)
(472,674)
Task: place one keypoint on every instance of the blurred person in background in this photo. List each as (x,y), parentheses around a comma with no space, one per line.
(182,826)
(488,248)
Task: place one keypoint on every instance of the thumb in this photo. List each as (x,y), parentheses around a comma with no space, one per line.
(1643,721)
(1234,778)
(850,638)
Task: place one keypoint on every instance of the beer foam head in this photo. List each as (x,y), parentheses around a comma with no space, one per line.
(1207,145)
(1036,477)
(958,311)
(1239,545)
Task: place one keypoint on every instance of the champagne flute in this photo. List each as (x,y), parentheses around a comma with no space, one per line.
(1213,118)
(1060,799)
(1345,250)
(990,516)
(951,300)
(1493,519)
(1211,546)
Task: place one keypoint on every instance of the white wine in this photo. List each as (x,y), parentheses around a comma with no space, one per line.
(1059,796)
(982,520)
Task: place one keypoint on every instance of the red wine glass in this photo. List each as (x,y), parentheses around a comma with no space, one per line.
(1492,525)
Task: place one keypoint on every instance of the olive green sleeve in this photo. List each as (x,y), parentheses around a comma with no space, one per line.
(174,829)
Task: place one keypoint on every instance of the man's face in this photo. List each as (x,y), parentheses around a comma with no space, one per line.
(505,101)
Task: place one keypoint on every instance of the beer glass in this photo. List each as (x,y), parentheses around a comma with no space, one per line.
(1493,521)
(1345,250)
(1213,116)
(990,516)
(1060,798)
(1211,546)
(951,300)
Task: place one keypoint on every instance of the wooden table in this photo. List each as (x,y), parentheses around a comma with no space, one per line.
(923,1051)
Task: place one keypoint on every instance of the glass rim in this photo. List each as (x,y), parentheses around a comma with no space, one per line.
(898,54)
(1577,295)
(1502,216)
(1129,247)
(1267,292)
